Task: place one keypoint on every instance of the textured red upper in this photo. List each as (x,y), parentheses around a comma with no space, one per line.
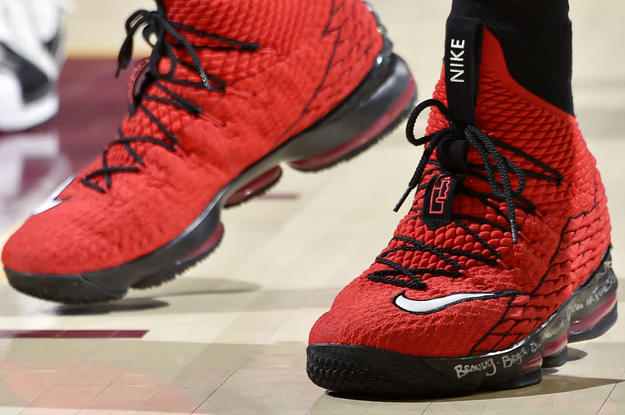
(558,249)
(312,54)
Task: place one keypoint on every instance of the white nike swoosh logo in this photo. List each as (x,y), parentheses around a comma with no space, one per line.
(437,304)
(52,200)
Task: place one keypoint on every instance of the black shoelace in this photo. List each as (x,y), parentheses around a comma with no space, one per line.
(451,145)
(158,28)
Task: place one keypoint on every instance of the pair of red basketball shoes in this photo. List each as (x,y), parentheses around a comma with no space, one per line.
(502,259)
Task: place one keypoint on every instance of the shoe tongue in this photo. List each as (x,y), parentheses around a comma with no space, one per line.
(463,47)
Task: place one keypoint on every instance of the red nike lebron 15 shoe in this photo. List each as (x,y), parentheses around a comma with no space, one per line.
(503,258)
(230,91)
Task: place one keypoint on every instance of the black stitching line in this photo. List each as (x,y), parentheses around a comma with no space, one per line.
(551,264)
(503,315)
(325,33)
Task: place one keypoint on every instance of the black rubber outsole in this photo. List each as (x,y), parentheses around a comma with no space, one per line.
(177,269)
(357,371)
(380,92)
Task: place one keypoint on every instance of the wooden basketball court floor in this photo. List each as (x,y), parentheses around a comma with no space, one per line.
(229,336)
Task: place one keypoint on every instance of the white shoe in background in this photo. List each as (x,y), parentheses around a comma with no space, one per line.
(31,57)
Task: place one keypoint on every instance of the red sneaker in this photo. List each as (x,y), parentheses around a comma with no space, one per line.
(231,90)
(503,258)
